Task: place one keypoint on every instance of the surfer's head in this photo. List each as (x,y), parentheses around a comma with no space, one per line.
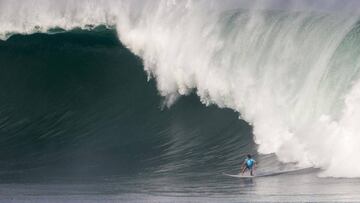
(249,156)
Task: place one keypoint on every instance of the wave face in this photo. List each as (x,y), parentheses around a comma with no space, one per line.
(78,104)
(292,71)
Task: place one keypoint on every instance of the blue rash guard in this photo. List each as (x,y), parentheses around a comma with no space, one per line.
(249,163)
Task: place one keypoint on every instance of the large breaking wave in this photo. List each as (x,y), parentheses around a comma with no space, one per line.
(292,73)
(78,104)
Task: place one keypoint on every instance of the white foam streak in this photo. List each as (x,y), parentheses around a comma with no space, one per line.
(287,73)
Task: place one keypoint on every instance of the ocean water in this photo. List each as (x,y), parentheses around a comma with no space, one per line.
(152,101)
(298,187)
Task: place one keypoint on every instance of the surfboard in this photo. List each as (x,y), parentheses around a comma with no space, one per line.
(239,176)
(263,174)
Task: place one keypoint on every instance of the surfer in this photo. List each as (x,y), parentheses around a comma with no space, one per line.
(249,164)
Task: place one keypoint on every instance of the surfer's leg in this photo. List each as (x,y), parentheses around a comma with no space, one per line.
(243,169)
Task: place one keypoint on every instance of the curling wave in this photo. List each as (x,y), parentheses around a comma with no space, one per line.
(292,73)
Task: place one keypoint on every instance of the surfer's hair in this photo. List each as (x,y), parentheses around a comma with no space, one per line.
(249,156)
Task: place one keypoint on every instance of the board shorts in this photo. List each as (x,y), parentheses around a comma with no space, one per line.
(249,167)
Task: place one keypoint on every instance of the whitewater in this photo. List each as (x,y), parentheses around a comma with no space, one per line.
(292,73)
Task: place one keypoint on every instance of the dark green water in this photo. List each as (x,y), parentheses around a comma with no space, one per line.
(80,122)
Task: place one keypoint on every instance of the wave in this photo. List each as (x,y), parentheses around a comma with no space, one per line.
(78,104)
(291,73)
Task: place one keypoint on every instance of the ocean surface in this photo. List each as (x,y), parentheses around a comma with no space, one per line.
(102,102)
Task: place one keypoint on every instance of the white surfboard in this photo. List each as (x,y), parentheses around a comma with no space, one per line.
(239,176)
(262,174)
